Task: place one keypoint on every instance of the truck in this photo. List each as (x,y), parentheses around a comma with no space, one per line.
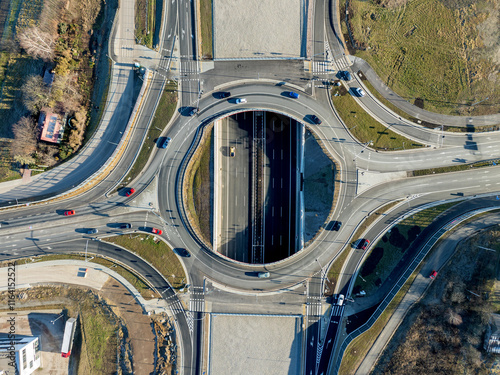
(69,335)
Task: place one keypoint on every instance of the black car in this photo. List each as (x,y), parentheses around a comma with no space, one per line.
(125,226)
(345,75)
(193,112)
(335,225)
(315,119)
(182,252)
(224,94)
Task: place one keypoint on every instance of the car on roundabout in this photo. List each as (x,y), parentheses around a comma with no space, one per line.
(293,95)
(263,275)
(181,252)
(240,100)
(130,192)
(69,213)
(125,226)
(157,231)
(232,151)
(315,119)
(223,94)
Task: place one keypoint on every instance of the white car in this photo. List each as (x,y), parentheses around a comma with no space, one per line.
(340,301)
(240,100)
(359,92)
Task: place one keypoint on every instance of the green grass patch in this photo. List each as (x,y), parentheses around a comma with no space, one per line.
(388,251)
(199,188)
(456,168)
(98,338)
(164,112)
(144,21)
(334,271)
(431,52)
(364,127)
(206,28)
(359,347)
(157,253)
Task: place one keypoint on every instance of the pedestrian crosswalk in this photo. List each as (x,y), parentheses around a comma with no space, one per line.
(342,63)
(197,301)
(313,309)
(188,67)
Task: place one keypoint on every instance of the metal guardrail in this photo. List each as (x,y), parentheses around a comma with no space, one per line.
(401,281)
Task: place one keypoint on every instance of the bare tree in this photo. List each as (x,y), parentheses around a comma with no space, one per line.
(37,43)
(65,93)
(25,140)
(35,93)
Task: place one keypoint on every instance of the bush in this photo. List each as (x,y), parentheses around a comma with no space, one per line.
(372,261)
(397,239)
(413,233)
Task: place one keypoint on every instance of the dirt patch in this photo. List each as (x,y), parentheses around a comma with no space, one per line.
(138,326)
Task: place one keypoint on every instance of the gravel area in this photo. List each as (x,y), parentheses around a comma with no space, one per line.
(255,344)
(258,29)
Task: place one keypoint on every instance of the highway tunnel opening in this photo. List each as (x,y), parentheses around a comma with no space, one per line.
(268,199)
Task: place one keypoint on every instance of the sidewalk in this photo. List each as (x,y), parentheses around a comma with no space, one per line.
(73,272)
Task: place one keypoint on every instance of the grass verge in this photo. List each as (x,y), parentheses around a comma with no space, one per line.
(98,339)
(144,21)
(456,168)
(359,347)
(403,114)
(199,187)
(164,112)
(364,127)
(157,253)
(206,28)
(390,249)
(334,271)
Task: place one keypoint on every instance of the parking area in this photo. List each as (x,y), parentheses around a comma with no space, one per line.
(255,344)
(258,29)
(49,326)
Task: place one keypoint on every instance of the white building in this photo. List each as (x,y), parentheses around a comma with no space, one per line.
(21,352)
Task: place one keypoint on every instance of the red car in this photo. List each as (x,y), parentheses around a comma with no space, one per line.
(157,231)
(69,213)
(433,275)
(130,192)
(363,244)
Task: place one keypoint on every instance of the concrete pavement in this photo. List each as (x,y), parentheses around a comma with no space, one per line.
(73,272)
